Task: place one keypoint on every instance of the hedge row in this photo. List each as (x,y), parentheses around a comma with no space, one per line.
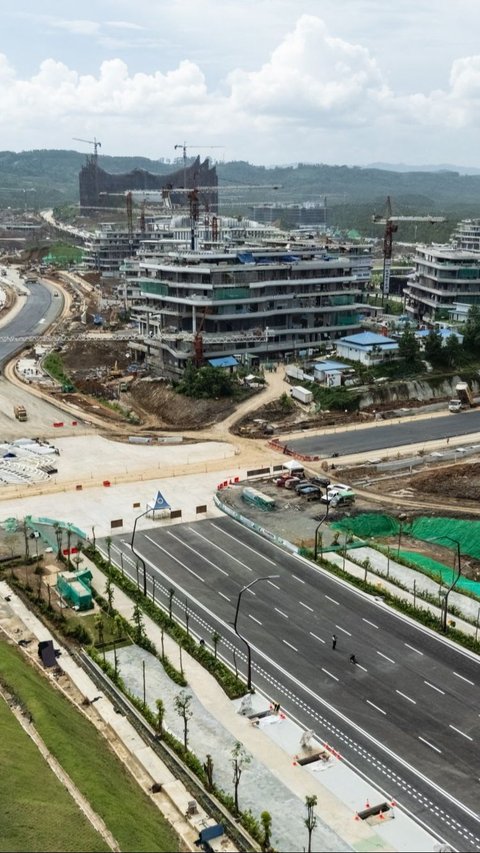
(234,687)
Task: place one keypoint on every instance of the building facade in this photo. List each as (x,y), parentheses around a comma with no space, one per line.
(443,277)
(254,303)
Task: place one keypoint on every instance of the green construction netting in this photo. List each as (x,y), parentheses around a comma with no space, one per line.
(434,569)
(369,524)
(445,531)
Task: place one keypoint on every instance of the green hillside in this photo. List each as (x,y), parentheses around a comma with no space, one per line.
(353,194)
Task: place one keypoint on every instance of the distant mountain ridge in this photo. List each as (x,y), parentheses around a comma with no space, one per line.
(440,167)
(353,193)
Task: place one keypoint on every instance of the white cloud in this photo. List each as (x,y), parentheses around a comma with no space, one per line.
(315,97)
(79,28)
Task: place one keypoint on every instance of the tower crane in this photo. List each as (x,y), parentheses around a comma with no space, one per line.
(93,142)
(183,146)
(391,228)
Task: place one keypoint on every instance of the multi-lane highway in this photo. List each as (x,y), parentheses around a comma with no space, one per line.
(37,313)
(407,716)
(393,434)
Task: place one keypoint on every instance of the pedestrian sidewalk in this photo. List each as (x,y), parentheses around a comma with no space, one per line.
(416,581)
(274,780)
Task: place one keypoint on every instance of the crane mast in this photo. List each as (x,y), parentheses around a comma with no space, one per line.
(183,146)
(391,227)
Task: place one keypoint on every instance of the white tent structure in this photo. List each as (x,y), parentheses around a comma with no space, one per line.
(293,466)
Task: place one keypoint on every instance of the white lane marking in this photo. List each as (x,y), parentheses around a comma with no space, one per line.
(413,701)
(307,606)
(385,656)
(413,649)
(254,619)
(281,612)
(197,553)
(323,641)
(329,673)
(172,557)
(359,666)
(214,545)
(435,688)
(343,629)
(249,548)
(460,732)
(224,596)
(430,744)
(273,584)
(289,644)
(464,679)
(370,623)
(376,707)
(332,599)
(251,591)
(298,579)
(228,628)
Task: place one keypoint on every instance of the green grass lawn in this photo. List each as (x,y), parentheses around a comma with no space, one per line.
(128,813)
(36,811)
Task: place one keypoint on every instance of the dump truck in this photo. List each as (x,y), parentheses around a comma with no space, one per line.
(301,394)
(463,400)
(20,413)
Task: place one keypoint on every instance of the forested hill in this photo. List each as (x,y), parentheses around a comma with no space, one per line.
(353,194)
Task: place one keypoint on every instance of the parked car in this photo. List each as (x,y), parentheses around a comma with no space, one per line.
(304,486)
(311,493)
(291,482)
(320,481)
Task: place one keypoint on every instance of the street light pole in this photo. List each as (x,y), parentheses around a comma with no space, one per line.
(315,553)
(138,556)
(249,651)
(444,613)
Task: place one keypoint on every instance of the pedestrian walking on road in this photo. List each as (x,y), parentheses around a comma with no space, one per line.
(334,640)
(353,659)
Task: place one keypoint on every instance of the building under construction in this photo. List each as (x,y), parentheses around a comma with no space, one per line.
(99,188)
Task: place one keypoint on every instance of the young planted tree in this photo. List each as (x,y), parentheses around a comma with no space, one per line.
(58,536)
(118,626)
(109,592)
(266,822)
(215,640)
(171,593)
(182,706)
(208,767)
(100,628)
(160,717)
(240,760)
(108,543)
(137,618)
(311,819)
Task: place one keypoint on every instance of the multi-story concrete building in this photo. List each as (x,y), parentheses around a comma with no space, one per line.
(252,302)
(443,277)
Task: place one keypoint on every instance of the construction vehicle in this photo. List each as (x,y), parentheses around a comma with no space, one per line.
(463,400)
(301,394)
(20,413)
(390,228)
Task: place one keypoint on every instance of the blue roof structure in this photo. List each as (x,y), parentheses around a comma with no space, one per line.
(330,365)
(444,334)
(227,361)
(367,339)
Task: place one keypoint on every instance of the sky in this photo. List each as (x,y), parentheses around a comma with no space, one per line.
(271,82)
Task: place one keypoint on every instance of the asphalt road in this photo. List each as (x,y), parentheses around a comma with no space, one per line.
(38,312)
(406,716)
(373,439)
